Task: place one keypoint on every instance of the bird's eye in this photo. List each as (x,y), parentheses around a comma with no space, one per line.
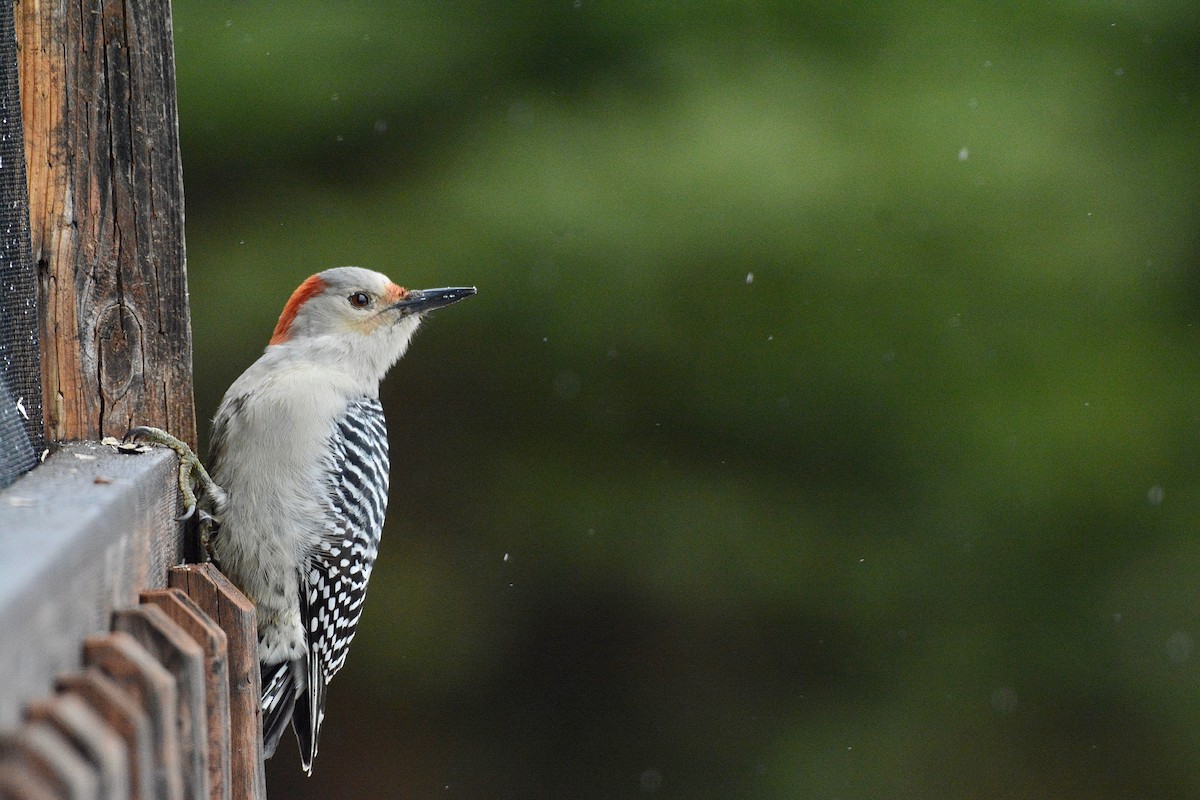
(360,299)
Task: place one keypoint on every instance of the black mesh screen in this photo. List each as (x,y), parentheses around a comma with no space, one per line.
(21,437)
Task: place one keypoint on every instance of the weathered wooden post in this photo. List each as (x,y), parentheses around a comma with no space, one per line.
(106,216)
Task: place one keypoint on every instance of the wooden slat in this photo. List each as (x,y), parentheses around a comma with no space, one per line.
(44,752)
(120,657)
(83,533)
(106,216)
(91,737)
(184,659)
(125,717)
(205,631)
(234,612)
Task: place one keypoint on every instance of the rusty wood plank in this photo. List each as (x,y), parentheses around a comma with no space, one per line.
(92,737)
(234,612)
(205,631)
(18,783)
(151,685)
(91,519)
(125,717)
(184,659)
(106,212)
(43,751)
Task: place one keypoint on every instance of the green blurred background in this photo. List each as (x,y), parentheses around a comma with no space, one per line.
(827,424)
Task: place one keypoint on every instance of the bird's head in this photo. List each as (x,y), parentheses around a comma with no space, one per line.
(351,312)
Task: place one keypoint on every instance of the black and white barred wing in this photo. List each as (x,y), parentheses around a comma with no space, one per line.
(338,570)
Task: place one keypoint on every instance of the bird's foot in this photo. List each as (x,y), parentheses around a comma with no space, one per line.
(192,475)
(210,527)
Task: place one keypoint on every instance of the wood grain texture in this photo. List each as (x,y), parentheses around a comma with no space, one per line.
(92,738)
(82,534)
(172,647)
(151,685)
(125,718)
(184,612)
(43,751)
(234,612)
(106,214)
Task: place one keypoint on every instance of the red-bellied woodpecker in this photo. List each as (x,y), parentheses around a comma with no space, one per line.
(298,460)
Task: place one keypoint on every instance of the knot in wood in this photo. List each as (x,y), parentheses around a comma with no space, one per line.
(119,349)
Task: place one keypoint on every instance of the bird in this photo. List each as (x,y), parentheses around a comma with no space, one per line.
(292,502)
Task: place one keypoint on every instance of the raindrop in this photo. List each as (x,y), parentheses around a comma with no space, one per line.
(1179,647)
(651,780)
(1004,699)
(518,114)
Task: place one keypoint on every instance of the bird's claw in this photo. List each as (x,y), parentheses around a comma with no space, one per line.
(209,526)
(141,432)
(192,476)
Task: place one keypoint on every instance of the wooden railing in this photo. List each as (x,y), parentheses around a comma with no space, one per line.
(124,676)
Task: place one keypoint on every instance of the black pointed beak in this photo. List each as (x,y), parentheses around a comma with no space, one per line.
(419,301)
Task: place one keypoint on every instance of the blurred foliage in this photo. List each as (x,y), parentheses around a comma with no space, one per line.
(827,421)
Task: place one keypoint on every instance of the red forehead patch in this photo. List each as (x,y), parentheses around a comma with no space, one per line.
(396,293)
(309,289)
